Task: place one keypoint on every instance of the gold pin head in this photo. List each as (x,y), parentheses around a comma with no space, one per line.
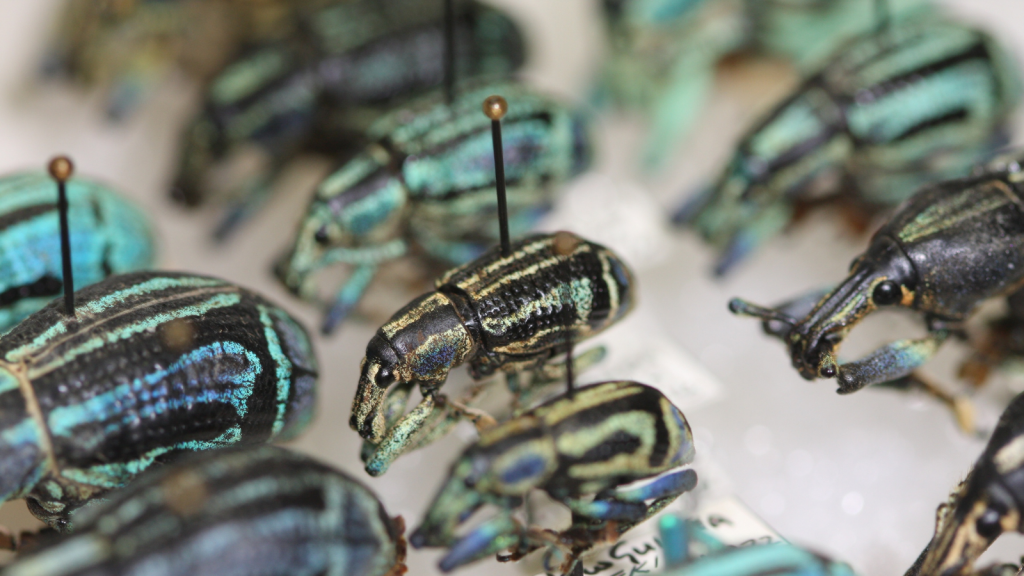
(61,168)
(495,107)
(565,243)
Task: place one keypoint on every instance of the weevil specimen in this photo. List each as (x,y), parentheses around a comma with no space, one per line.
(109,235)
(664,52)
(592,442)
(988,503)
(426,186)
(150,365)
(283,99)
(498,313)
(913,103)
(255,510)
(681,538)
(947,249)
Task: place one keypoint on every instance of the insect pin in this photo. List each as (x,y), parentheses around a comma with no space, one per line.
(988,503)
(108,235)
(846,135)
(254,510)
(507,311)
(947,249)
(681,539)
(150,366)
(591,442)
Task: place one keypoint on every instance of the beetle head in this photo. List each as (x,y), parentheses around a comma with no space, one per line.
(378,371)
(881,277)
(361,205)
(987,504)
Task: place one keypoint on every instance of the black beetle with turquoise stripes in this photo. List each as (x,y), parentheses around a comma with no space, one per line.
(915,102)
(250,510)
(500,313)
(590,441)
(148,365)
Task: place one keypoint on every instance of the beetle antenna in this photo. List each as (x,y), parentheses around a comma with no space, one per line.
(744,308)
(61,169)
(883,16)
(449,51)
(495,108)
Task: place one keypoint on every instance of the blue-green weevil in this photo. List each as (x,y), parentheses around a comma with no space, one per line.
(591,441)
(249,511)
(684,540)
(147,366)
(915,102)
(109,235)
(425,185)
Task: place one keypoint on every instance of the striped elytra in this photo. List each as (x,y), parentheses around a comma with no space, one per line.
(254,510)
(153,364)
(109,235)
(425,184)
(917,102)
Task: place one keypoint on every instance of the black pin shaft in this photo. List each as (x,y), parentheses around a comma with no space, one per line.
(61,169)
(499,174)
(449,51)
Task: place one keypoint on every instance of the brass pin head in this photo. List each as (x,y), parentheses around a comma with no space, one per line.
(495,107)
(565,243)
(61,168)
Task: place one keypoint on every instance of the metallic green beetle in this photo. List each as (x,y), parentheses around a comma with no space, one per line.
(591,442)
(664,53)
(109,235)
(916,102)
(987,504)
(426,185)
(255,511)
(498,314)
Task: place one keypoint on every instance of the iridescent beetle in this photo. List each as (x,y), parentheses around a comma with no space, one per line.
(592,442)
(286,98)
(426,185)
(498,313)
(681,540)
(988,503)
(913,103)
(664,53)
(149,365)
(109,236)
(947,249)
(257,510)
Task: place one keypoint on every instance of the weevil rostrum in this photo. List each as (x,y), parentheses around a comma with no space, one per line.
(946,250)
(426,185)
(151,365)
(253,510)
(988,503)
(591,442)
(507,314)
(110,235)
(916,102)
(277,101)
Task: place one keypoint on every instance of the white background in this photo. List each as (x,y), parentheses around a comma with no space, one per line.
(857,477)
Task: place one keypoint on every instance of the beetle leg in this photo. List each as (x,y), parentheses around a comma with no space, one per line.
(489,538)
(550,373)
(394,407)
(254,194)
(890,362)
(400,436)
(961,406)
(772,220)
(348,296)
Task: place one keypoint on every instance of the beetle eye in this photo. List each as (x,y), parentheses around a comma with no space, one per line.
(385,377)
(988,525)
(321,236)
(887,293)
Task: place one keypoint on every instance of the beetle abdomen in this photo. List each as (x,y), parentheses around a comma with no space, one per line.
(155,363)
(108,236)
(261,511)
(549,284)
